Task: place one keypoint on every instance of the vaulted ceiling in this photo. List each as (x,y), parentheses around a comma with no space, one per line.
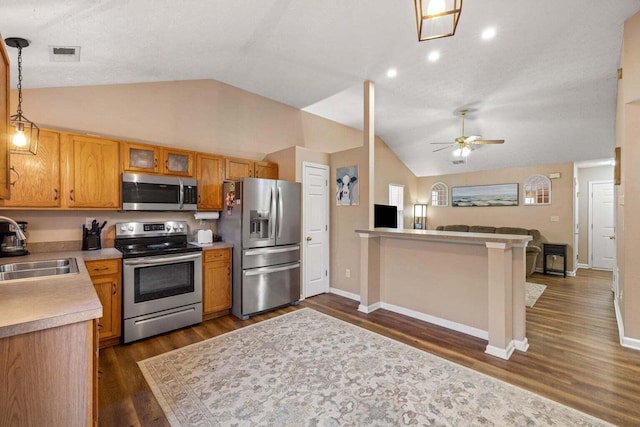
(546,83)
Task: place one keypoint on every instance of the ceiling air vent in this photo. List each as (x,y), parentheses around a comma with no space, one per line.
(64,53)
(458,162)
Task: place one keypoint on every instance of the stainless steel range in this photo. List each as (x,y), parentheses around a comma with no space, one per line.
(162,278)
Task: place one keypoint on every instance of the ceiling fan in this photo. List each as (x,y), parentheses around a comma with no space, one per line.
(463,144)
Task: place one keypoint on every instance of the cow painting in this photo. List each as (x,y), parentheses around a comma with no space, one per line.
(347,193)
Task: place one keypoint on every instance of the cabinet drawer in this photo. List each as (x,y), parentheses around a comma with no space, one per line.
(103,267)
(217,255)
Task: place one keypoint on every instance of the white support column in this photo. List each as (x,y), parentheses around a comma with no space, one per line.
(519,264)
(370,140)
(500,304)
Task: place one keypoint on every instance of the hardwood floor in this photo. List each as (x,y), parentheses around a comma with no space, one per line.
(574,355)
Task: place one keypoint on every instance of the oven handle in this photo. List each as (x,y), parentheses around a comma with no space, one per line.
(156,261)
(265,251)
(267,270)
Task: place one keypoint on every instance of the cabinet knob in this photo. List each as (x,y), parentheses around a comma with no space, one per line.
(155,163)
(55,194)
(71,195)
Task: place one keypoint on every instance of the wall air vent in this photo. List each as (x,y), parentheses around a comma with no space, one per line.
(64,53)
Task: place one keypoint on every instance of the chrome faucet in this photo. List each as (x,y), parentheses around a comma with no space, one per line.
(19,234)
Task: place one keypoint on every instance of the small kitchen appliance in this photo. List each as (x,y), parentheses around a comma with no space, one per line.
(162,278)
(11,244)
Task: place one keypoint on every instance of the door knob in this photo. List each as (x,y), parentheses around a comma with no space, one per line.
(612,237)
(308,239)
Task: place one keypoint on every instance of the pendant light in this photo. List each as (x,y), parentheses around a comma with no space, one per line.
(27,133)
(437,18)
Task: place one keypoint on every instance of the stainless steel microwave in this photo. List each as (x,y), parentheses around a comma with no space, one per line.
(158,193)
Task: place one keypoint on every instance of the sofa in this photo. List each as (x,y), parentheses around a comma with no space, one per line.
(534,247)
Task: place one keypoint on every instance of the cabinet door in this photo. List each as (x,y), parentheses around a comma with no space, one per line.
(235,169)
(266,170)
(177,162)
(140,158)
(92,178)
(35,180)
(4,122)
(209,176)
(216,281)
(108,290)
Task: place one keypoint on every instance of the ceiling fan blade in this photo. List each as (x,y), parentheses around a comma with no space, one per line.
(437,143)
(469,139)
(488,141)
(440,149)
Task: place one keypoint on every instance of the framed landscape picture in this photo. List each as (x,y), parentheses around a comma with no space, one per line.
(485,195)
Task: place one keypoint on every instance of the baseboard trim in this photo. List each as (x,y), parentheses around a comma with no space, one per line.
(369,308)
(459,327)
(503,353)
(345,294)
(586,266)
(632,343)
(522,345)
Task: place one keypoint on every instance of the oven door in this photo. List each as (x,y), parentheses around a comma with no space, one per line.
(162,282)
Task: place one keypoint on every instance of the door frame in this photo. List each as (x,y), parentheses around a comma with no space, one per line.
(305,221)
(590,225)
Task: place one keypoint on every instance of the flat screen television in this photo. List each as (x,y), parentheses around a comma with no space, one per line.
(385,216)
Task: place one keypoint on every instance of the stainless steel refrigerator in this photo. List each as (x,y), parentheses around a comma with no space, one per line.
(261,218)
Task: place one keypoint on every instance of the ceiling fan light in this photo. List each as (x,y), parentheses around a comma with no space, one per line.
(457,152)
(465,151)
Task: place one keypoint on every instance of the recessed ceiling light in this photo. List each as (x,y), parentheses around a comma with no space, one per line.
(434,56)
(392,73)
(489,33)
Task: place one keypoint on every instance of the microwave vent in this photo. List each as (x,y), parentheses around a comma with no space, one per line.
(64,53)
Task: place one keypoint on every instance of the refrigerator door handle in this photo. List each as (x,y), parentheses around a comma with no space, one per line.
(272,214)
(264,251)
(280,213)
(267,270)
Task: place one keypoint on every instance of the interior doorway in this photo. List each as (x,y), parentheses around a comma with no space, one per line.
(315,238)
(602,248)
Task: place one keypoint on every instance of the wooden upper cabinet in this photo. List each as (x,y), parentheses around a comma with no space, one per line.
(177,162)
(91,177)
(4,122)
(140,158)
(35,180)
(266,170)
(209,176)
(235,168)
(153,159)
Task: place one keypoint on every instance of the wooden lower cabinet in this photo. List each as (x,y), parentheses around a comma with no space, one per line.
(216,283)
(49,377)
(107,281)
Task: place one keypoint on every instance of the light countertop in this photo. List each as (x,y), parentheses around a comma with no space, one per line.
(214,245)
(446,236)
(29,305)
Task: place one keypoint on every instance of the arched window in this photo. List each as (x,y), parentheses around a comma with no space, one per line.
(537,190)
(439,194)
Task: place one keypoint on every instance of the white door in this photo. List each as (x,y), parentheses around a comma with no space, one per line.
(602,239)
(315,188)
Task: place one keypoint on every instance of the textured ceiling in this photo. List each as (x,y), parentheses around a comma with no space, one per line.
(546,83)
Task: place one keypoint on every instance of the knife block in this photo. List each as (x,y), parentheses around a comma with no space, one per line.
(91,241)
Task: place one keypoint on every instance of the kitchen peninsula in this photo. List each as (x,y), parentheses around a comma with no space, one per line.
(469,282)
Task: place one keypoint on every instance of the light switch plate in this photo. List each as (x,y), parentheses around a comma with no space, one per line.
(555,218)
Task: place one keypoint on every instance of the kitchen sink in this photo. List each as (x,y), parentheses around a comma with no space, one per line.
(44,268)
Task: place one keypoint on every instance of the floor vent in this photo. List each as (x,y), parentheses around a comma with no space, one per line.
(64,53)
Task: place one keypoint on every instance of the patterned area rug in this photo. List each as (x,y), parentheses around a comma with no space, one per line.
(307,368)
(532,293)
